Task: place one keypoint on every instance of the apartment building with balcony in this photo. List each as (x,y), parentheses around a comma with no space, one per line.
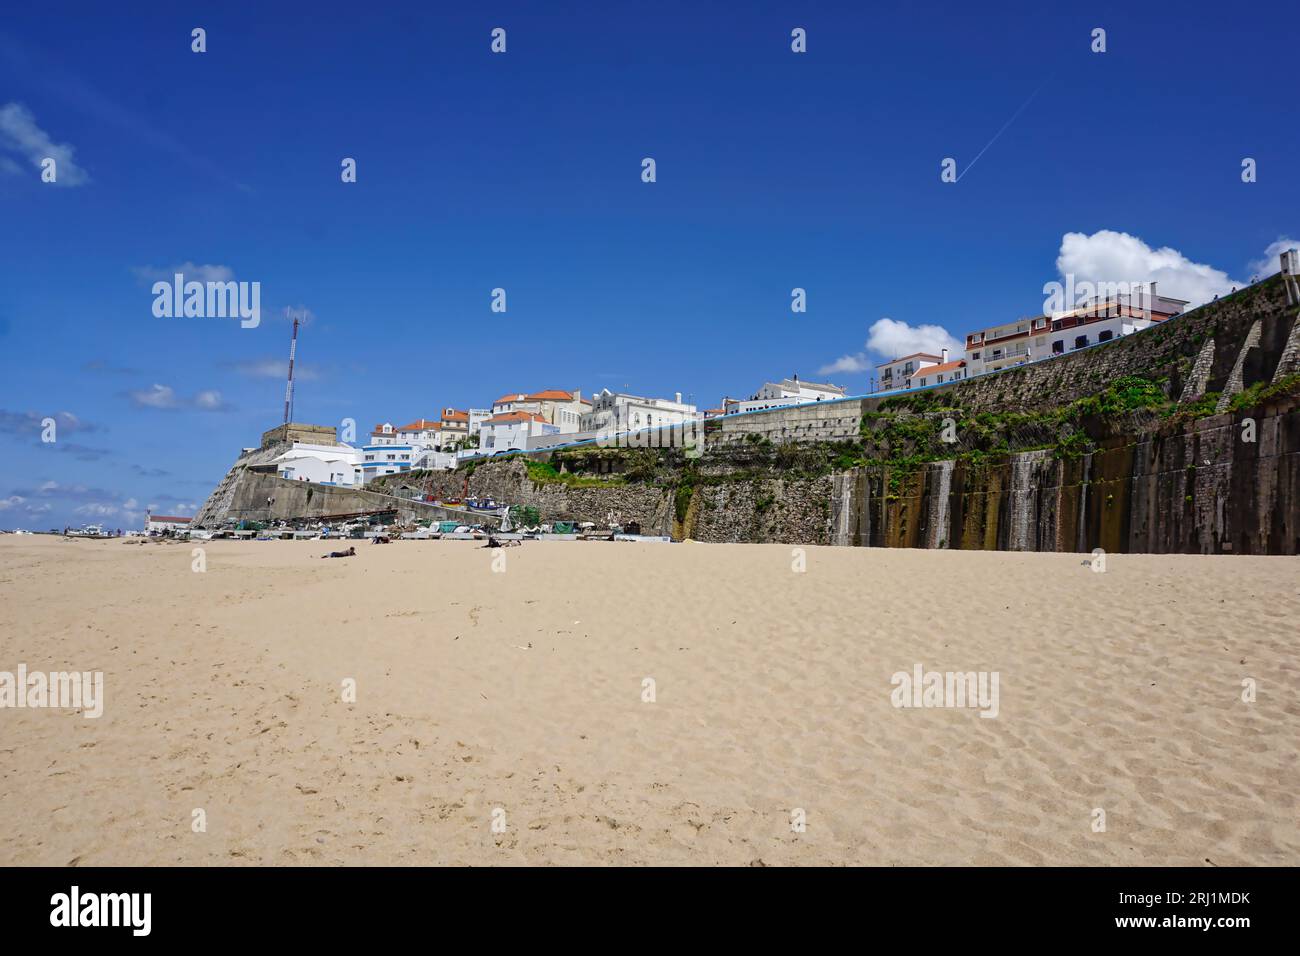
(897,373)
(1097,320)
(1002,346)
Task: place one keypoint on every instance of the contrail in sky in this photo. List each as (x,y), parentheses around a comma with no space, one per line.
(1003,129)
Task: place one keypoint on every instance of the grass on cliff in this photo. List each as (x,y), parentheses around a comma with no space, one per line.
(544,473)
(922,428)
(904,434)
(1261,392)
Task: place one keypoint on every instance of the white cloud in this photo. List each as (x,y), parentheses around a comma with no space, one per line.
(1104,256)
(191,271)
(273,368)
(20,134)
(846,364)
(13,501)
(165,397)
(33,423)
(1268,263)
(160,396)
(1109,256)
(889,339)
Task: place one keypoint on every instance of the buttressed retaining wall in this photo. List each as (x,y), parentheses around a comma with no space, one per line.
(1181,478)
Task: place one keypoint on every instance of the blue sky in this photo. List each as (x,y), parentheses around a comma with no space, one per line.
(775,170)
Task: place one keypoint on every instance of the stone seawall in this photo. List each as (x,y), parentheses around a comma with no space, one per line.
(1140,462)
(506,480)
(1194,486)
(256,496)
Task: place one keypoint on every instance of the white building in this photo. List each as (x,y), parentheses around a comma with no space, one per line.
(789,391)
(323,464)
(384,434)
(561,408)
(477,416)
(613,412)
(425,434)
(897,373)
(435,459)
(511,431)
(422,433)
(383,458)
(940,374)
(455,426)
(513,402)
(1039,337)
(157,524)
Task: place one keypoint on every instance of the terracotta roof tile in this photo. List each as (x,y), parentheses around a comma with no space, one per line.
(551,395)
(932,369)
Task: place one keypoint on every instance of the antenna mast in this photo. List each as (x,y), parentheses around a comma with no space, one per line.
(288,387)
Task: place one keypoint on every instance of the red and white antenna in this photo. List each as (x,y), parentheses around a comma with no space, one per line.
(288,387)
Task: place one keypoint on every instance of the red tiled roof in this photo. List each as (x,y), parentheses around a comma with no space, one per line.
(551,395)
(513,397)
(946,367)
(455,416)
(420,425)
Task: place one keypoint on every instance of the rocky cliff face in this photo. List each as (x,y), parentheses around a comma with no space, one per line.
(1182,438)
(1225,483)
(613,501)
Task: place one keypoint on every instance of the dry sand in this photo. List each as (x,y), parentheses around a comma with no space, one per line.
(522,691)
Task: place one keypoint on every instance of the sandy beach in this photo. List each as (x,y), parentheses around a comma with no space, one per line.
(519,697)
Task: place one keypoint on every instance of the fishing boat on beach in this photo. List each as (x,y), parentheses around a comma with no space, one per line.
(88,531)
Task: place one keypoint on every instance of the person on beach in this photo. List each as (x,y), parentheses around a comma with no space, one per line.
(340,554)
